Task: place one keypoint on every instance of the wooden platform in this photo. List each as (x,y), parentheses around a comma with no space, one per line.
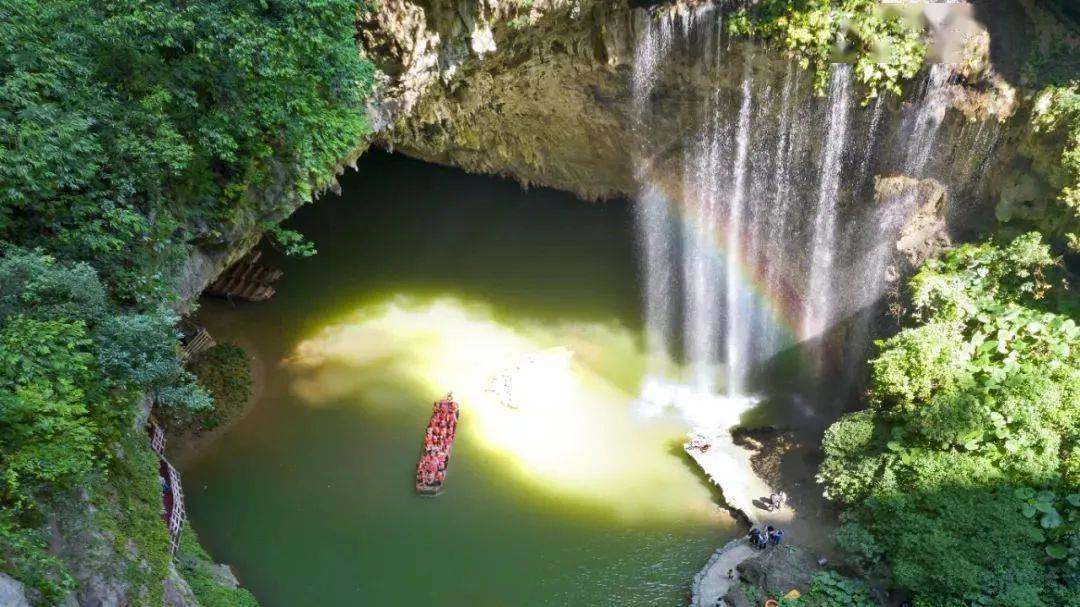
(246,279)
(194,339)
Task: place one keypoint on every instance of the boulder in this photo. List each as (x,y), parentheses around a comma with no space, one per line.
(778,570)
(12,592)
(177,591)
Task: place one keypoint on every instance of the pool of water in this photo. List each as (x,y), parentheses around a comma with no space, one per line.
(562,490)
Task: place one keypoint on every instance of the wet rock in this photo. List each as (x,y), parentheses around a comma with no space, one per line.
(223,575)
(769,445)
(736,597)
(925,232)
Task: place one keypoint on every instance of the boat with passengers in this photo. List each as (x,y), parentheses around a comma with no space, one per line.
(438,443)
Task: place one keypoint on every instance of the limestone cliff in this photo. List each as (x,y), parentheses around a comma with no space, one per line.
(532,90)
(543,91)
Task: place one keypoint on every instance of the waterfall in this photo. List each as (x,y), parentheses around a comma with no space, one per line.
(701,265)
(935,101)
(738,300)
(778,238)
(658,260)
(868,147)
(756,230)
(652,213)
(819,292)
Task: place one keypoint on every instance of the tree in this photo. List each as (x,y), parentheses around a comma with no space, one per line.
(974,404)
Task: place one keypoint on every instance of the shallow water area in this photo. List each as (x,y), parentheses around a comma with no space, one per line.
(562,488)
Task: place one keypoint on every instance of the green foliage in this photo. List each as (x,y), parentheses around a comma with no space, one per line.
(225,372)
(1056,118)
(128,128)
(24,555)
(1053,70)
(138,350)
(197,568)
(293,242)
(47,386)
(70,366)
(885,46)
(127,507)
(831,589)
(958,479)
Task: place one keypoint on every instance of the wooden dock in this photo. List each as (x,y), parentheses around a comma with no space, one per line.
(246,279)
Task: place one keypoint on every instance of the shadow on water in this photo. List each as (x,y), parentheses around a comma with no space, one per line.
(401,223)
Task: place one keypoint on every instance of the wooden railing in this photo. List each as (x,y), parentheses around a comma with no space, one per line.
(173,510)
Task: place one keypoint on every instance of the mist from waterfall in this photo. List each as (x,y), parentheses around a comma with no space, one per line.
(756,213)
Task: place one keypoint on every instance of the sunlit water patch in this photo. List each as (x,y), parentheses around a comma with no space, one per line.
(546,399)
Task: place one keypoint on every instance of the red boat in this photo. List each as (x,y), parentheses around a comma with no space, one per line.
(438,442)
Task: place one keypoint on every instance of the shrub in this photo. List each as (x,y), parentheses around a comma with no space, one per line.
(225,372)
(978,400)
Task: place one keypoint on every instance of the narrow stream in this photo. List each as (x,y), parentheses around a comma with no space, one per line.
(526,304)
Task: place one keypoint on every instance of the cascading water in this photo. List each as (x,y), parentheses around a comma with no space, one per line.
(652,209)
(819,293)
(757,224)
(927,120)
(738,299)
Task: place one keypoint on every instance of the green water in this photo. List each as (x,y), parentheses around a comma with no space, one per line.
(429,280)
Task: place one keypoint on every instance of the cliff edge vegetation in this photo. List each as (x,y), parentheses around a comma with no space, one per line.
(131,132)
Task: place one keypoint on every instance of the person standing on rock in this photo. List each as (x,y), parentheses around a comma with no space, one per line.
(776,536)
(777,501)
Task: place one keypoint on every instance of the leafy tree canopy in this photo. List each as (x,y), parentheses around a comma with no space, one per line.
(962,481)
(128,128)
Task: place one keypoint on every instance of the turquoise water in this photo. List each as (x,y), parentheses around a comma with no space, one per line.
(561,491)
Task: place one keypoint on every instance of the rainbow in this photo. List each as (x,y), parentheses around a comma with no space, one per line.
(781,300)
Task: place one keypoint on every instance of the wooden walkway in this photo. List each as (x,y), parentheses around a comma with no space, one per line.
(246,279)
(194,339)
(172,492)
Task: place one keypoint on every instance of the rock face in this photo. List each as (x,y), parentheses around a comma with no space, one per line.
(268,204)
(177,591)
(773,572)
(532,90)
(92,557)
(12,593)
(544,91)
(612,98)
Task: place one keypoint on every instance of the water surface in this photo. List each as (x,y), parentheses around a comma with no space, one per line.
(526,304)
